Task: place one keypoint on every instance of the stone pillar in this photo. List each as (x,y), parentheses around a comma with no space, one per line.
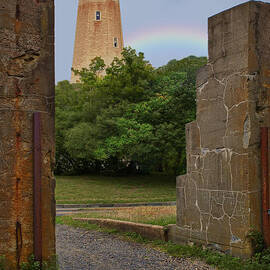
(219,199)
(26,86)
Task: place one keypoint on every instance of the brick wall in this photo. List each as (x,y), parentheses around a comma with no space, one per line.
(96,38)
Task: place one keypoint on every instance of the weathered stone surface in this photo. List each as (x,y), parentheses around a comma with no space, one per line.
(211,118)
(194,140)
(219,200)
(26,86)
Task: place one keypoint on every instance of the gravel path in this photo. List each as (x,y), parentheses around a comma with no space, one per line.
(79,249)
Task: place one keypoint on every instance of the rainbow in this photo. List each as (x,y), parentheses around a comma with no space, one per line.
(168,36)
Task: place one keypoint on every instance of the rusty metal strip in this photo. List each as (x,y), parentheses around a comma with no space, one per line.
(265,184)
(19,243)
(37,188)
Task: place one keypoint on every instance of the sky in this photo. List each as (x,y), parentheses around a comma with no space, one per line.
(162,29)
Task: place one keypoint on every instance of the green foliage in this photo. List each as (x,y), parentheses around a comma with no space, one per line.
(264,256)
(31,264)
(257,241)
(2,263)
(190,65)
(131,117)
(35,265)
(69,112)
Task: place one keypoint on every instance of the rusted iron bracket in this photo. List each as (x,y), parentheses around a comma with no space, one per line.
(37,188)
(265,184)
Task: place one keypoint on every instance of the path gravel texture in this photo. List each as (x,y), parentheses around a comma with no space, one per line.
(79,249)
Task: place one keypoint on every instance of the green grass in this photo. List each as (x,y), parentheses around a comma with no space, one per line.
(67,220)
(101,189)
(219,260)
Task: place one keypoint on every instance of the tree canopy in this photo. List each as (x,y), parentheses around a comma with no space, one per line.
(128,117)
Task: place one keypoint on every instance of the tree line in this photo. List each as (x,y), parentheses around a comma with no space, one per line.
(126,118)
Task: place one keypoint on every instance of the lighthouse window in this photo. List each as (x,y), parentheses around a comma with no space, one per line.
(98,15)
(115,42)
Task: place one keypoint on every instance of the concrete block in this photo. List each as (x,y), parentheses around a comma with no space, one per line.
(219,200)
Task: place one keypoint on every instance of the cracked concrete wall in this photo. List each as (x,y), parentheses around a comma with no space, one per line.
(26,86)
(219,199)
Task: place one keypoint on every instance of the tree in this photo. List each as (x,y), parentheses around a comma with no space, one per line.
(127,81)
(133,114)
(152,132)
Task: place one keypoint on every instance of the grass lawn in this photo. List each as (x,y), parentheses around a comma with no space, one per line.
(101,189)
(161,215)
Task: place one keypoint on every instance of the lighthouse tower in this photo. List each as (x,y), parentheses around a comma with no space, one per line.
(98,33)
